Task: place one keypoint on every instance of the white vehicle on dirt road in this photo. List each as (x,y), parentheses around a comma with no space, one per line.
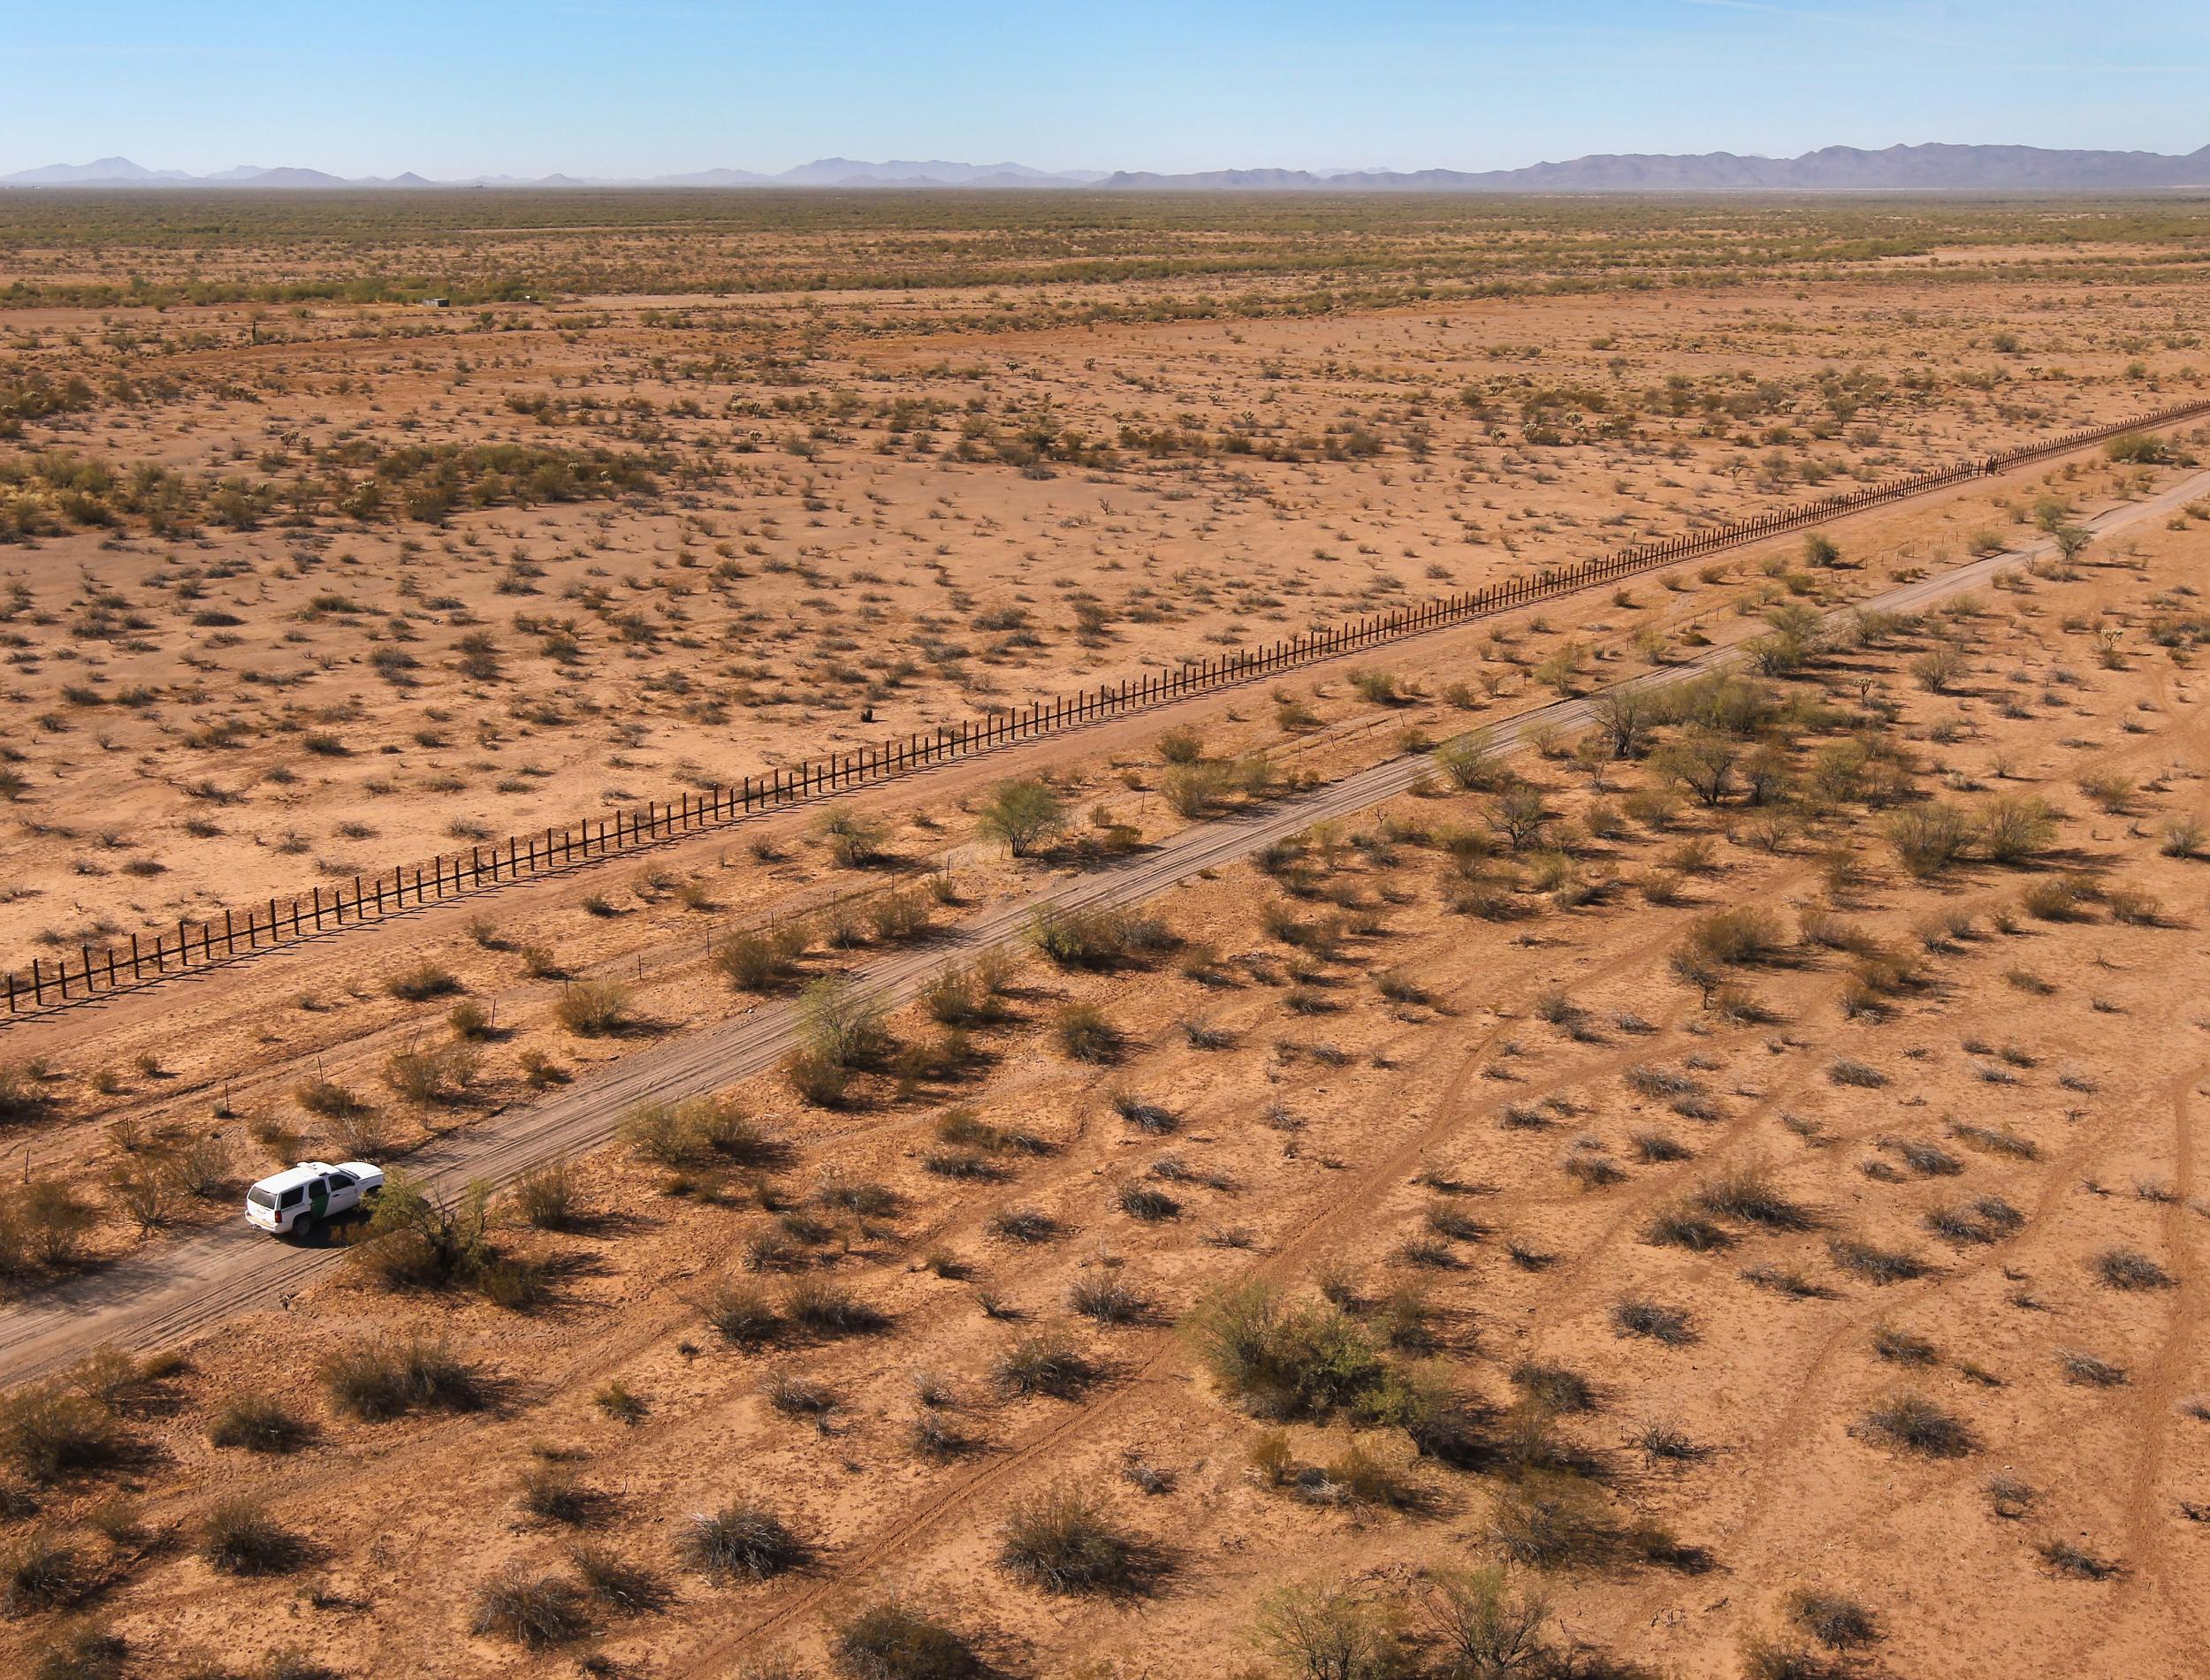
(292,1201)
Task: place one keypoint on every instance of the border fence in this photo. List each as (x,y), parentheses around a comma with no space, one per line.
(52,983)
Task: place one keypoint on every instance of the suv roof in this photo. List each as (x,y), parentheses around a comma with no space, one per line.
(291,1175)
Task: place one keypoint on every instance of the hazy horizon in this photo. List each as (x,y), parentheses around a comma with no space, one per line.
(630,89)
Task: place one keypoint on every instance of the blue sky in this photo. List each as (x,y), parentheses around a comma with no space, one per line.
(638,87)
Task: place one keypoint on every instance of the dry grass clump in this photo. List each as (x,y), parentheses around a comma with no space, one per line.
(699,1132)
(1873,1263)
(894,1641)
(238,1537)
(540,1612)
(51,1431)
(1912,1423)
(754,961)
(1063,1541)
(1042,1363)
(259,1423)
(378,1381)
(593,1008)
(741,1543)
(2124,1268)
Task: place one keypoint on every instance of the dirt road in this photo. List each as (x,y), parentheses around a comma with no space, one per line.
(168,1293)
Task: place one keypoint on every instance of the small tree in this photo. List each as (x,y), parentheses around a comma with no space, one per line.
(1486,1629)
(1020,813)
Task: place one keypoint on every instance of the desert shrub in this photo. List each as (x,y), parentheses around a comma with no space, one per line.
(1874,1264)
(1548,1521)
(892,1641)
(2016,827)
(1929,838)
(1471,764)
(1483,1629)
(1912,1423)
(1678,1227)
(1106,1297)
(1084,1033)
(1146,1202)
(551,1492)
(439,1076)
(1746,934)
(1283,1361)
(536,1611)
(2066,1557)
(550,1196)
(39,1571)
(1836,1622)
(1638,1316)
(422,982)
(1022,814)
(1848,1070)
(620,1586)
(1554,1388)
(87,1651)
(50,1431)
(855,840)
(700,1132)
(1329,1633)
(1092,938)
(378,1380)
(741,1543)
(238,1537)
(417,1240)
(328,1099)
(259,1423)
(740,1313)
(754,961)
(1041,1363)
(592,1008)
(1750,1194)
(2124,1268)
(825,1308)
(1063,1541)
(1026,1225)
(1181,745)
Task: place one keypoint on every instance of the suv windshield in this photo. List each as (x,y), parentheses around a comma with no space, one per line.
(260,1198)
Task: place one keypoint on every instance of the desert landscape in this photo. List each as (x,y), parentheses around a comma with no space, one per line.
(1648,1134)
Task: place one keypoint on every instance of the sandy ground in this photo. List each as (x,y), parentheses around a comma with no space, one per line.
(1672,1250)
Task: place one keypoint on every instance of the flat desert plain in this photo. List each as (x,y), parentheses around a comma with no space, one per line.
(1648,1134)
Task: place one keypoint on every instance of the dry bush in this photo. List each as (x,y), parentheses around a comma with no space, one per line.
(741,1543)
(238,1537)
(1041,1363)
(422,982)
(378,1380)
(892,1641)
(700,1132)
(51,1431)
(538,1612)
(1912,1423)
(1063,1541)
(259,1423)
(593,1008)
(761,961)
(1084,1033)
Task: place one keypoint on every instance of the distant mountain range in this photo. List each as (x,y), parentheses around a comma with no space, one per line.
(1933,168)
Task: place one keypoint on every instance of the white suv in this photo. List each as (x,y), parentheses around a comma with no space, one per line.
(294,1199)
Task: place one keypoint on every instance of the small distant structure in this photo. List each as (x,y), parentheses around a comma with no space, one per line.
(438,303)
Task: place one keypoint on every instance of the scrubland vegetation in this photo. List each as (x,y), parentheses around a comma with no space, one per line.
(1621,1205)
